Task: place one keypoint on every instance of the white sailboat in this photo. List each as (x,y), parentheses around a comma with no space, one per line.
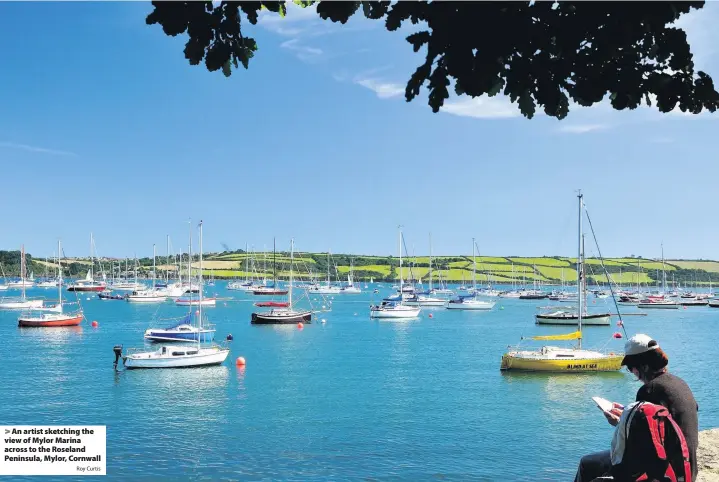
(3,286)
(426,299)
(89,283)
(57,316)
(329,288)
(153,295)
(180,356)
(395,308)
(471,302)
(22,303)
(350,288)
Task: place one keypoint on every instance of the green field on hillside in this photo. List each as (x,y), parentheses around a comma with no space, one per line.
(541,261)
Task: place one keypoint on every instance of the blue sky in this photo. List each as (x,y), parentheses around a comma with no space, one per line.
(106,128)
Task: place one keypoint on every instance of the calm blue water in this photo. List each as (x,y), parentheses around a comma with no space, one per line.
(346,400)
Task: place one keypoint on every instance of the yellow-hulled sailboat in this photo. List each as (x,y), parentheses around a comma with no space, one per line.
(568,360)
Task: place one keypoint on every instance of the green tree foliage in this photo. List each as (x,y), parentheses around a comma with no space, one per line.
(539,54)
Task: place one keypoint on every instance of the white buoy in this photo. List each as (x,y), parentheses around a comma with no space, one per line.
(324,321)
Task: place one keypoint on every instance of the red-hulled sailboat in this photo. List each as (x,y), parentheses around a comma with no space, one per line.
(53,316)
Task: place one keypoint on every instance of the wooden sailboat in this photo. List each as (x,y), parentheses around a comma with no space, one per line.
(557,359)
(284,315)
(56,315)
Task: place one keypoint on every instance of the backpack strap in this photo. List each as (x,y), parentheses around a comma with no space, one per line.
(685,450)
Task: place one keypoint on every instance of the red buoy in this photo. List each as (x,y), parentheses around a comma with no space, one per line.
(431,315)
(300,325)
(617,335)
(95,324)
(240,362)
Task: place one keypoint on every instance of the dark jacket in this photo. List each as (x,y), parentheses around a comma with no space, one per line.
(673,393)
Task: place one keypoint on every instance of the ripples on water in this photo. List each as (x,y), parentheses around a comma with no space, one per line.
(353,399)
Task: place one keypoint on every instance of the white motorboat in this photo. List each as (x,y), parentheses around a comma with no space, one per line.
(510,294)
(19,284)
(48,283)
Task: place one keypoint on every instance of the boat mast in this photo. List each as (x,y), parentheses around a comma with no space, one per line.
(274,264)
(199,308)
(580,269)
(167,261)
(189,262)
(400,263)
(474,269)
(92,262)
(430,262)
(328,268)
(59,276)
(22,271)
(153,268)
(664,273)
(292,257)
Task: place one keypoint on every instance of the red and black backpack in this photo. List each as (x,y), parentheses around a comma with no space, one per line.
(655,448)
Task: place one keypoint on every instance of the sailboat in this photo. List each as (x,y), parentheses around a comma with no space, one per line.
(57,317)
(284,315)
(46,281)
(427,299)
(274,289)
(153,295)
(126,285)
(660,301)
(180,356)
(350,288)
(89,283)
(567,317)
(395,308)
(556,359)
(470,302)
(326,289)
(188,298)
(21,303)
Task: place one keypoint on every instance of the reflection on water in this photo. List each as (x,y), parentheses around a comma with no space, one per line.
(44,334)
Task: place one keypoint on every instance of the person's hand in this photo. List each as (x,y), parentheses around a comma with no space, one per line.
(614,414)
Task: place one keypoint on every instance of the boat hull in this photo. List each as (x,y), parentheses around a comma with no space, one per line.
(394,314)
(426,302)
(87,288)
(269,292)
(577,365)
(278,317)
(205,357)
(48,321)
(21,305)
(587,320)
(146,299)
(657,306)
(471,306)
(195,302)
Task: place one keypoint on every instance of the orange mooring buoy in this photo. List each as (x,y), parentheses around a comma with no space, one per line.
(300,325)
(95,324)
(240,362)
(431,315)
